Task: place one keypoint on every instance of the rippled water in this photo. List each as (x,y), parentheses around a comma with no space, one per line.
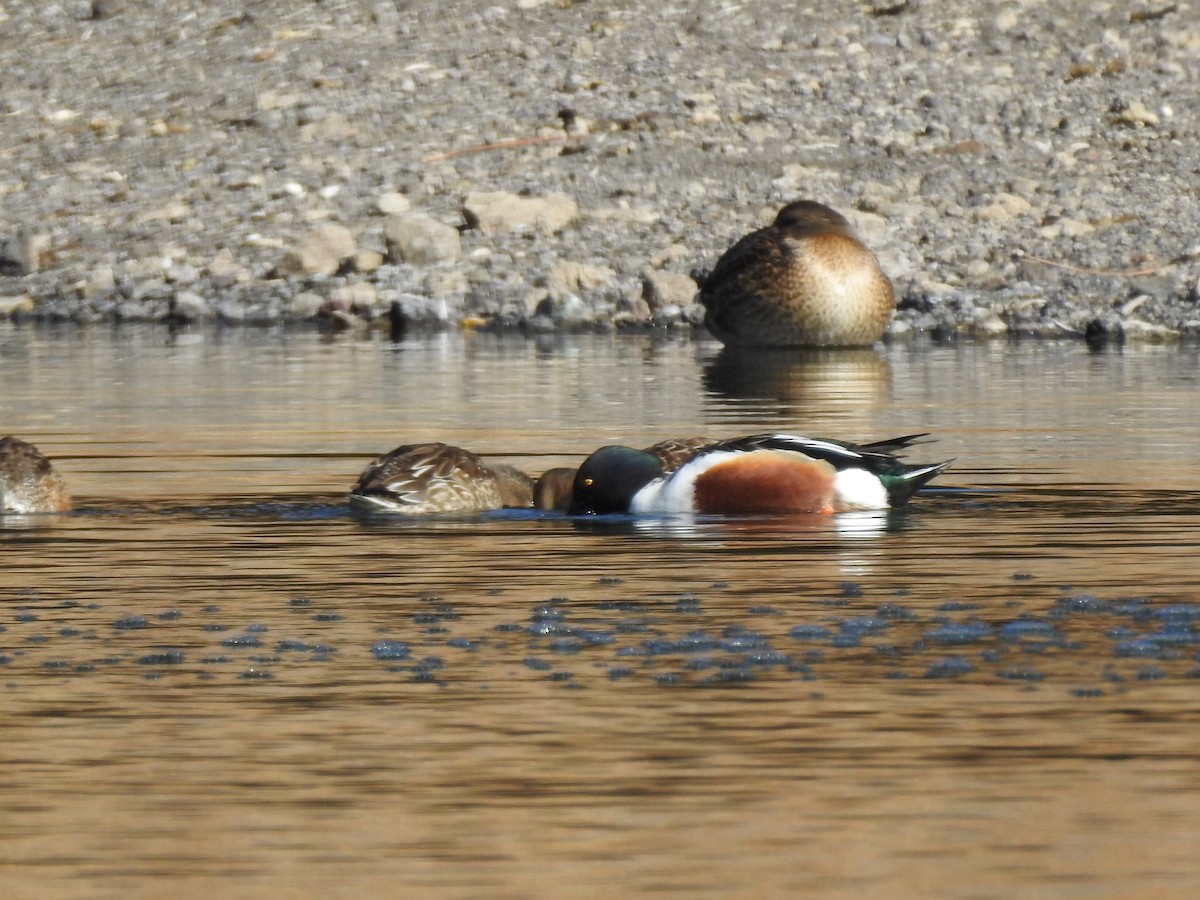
(218,680)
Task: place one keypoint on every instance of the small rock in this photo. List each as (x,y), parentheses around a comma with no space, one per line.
(420,310)
(636,309)
(181,273)
(273,100)
(321,251)
(151,288)
(421,240)
(15,306)
(392,203)
(1130,306)
(495,212)
(668,314)
(231,311)
(224,269)
(100,281)
(634,215)
(1004,206)
(175,211)
(1075,228)
(574,279)
(359,298)
(1007,20)
(367,260)
(992,325)
(25,251)
(1136,115)
(568,310)
(1141,330)
(1066,227)
(669,254)
(305,305)
(662,289)
(104,9)
(188,306)
(447,283)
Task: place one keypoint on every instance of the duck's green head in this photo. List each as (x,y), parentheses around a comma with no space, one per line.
(608,479)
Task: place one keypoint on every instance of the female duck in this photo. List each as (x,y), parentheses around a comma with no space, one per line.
(806,280)
(417,479)
(28,482)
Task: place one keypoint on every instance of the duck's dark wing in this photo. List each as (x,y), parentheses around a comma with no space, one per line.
(754,262)
(877,457)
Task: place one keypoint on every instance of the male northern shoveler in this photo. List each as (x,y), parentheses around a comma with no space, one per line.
(417,479)
(28,482)
(763,473)
(806,280)
(554,488)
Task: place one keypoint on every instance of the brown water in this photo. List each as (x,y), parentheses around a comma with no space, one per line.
(217,682)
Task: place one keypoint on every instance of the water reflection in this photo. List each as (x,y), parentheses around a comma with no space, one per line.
(217,679)
(845,385)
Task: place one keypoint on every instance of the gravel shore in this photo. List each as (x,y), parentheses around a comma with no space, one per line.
(1019,167)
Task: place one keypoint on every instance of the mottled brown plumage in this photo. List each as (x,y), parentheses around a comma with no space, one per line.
(28,482)
(554,488)
(674,452)
(806,280)
(417,479)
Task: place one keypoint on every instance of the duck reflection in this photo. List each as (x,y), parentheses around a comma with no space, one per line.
(857,524)
(837,547)
(807,381)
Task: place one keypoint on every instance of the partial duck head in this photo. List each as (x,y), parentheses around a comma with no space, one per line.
(609,478)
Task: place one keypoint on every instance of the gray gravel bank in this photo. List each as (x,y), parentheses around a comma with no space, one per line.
(1018,167)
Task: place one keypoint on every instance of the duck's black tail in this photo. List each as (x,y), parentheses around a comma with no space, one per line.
(901,486)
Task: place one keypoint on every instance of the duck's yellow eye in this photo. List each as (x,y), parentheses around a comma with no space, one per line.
(587,482)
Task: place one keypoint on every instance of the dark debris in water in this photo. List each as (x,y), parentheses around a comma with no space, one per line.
(1075,641)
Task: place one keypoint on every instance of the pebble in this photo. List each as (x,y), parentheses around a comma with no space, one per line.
(367,260)
(495,212)
(15,306)
(305,305)
(360,298)
(188,306)
(661,290)
(392,203)
(321,251)
(421,240)
(577,280)
(101,280)
(24,251)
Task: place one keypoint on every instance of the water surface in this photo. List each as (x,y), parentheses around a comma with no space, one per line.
(217,679)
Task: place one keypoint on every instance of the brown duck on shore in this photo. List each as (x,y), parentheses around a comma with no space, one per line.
(28,482)
(417,479)
(806,280)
